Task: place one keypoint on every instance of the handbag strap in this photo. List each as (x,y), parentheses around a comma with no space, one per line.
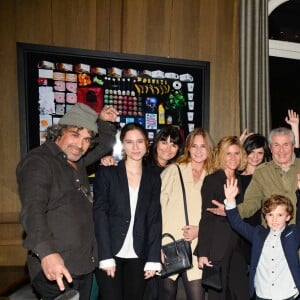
(184,197)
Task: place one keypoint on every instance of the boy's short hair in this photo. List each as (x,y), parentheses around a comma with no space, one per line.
(275,200)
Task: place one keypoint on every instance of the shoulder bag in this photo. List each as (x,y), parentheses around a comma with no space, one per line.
(177,254)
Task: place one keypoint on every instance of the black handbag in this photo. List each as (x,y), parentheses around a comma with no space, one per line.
(177,256)
(178,253)
(212,277)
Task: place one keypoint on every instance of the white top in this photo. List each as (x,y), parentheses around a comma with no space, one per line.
(127,250)
(273,278)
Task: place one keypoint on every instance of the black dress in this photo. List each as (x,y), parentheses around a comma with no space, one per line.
(220,243)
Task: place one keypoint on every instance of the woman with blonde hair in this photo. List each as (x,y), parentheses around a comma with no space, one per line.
(217,242)
(195,163)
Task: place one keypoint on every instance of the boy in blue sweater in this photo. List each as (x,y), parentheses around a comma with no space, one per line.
(275,268)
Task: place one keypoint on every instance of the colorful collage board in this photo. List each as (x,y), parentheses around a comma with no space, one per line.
(151,92)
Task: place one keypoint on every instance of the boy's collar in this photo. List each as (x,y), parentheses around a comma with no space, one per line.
(278,231)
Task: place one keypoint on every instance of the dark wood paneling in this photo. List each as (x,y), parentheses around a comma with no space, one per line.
(192,29)
(224,118)
(9,113)
(116,25)
(103,16)
(11,279)
(33,21)
(185,26)
(74,23)
(146,27)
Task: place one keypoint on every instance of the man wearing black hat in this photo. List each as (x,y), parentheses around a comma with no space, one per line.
(57,204)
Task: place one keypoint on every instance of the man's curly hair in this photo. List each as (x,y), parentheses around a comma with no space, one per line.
(55,131)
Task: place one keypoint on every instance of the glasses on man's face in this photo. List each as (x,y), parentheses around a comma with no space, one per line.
(86,193)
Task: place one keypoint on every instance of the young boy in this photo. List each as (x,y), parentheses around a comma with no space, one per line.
(275,267)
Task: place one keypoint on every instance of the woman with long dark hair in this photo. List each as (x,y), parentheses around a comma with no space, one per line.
(165,149)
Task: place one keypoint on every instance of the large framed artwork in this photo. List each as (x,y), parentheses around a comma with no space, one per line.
(152,91)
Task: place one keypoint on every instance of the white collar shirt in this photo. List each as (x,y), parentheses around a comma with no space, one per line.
(273,278)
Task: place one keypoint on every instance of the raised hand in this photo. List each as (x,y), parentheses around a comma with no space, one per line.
(108,161)
(292,118)
(244,135)
(108,113)
(231,189)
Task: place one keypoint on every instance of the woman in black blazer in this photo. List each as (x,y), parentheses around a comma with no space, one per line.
(127,218)
(217,242)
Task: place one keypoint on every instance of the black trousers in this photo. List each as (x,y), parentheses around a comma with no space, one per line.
(151,289)
(128,283)
(48,290)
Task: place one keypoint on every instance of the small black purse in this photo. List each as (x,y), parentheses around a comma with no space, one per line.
(212,277)
(178,253)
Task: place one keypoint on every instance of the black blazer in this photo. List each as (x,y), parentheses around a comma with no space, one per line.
(216,237)
(112,213)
